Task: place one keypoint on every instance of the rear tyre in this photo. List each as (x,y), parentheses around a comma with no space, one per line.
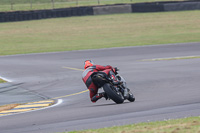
(116,96)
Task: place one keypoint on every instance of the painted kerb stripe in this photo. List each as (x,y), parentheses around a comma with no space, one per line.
(28,107)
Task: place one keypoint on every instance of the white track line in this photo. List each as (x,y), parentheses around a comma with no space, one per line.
(8,80)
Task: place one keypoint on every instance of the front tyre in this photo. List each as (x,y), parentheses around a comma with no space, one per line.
(131,97)
(116,96)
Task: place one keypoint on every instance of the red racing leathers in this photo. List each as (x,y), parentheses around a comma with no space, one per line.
(87,79)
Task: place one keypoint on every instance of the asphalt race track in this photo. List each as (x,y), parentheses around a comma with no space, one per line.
(166,88)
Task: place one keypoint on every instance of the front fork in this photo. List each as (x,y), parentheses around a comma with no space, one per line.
(123,86)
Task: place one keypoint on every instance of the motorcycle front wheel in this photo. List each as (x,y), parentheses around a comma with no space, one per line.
(116,96)
(131,97)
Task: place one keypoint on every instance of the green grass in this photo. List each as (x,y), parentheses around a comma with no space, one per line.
(94,32)
(186,125)
(2,81)
(5,5)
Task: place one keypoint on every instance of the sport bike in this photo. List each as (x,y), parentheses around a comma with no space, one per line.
(114,86)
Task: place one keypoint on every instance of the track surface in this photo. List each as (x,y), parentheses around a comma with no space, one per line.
(163,89)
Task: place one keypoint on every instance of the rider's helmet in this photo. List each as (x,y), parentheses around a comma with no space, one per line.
(88,63)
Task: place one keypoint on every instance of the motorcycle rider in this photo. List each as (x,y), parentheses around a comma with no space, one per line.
(90,70)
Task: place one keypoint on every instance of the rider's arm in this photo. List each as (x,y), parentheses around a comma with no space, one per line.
(101,68)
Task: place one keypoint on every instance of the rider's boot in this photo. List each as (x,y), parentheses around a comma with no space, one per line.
(99,96)
(105,95)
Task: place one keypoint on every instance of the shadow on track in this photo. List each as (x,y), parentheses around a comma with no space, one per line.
(108,104)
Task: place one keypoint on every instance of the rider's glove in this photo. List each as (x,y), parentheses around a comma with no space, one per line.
(115,70)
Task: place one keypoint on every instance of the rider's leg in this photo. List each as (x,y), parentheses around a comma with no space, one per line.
(99,96)
(94,95)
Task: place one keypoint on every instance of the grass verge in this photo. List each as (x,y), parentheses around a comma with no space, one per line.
(103,31)
(2,81)
(186,125)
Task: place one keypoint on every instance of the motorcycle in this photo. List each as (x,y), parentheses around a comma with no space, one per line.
(114,86)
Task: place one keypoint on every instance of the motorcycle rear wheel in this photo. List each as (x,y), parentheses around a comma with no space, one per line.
(116,96)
